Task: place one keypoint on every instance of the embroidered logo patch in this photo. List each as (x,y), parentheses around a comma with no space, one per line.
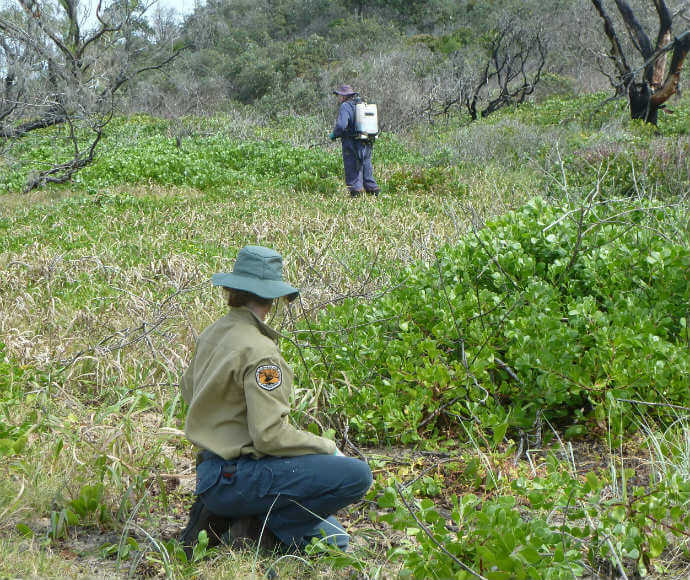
(269,377)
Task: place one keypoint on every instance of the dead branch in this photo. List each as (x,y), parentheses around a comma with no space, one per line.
(426,470)
(584,210)
(681,47)
(64,171)
(617,55)
(511,373)
(350,444)
(130,336)
(637,34)
(650,404)
(647,96)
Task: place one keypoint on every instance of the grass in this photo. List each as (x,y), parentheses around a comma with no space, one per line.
(105,288)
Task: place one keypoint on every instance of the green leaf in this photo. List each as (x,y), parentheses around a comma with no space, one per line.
(592,481)
(71,518)
(58,448)
(530,554)
(19,444)
(199,551)
(657,544)
(500,433)
(488,557)
(388,499)
(575,431)
(25,530)
(6,446)
(499,575)
(618,513)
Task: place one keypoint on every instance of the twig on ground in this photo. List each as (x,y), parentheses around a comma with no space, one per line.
(350,444)
(428,469)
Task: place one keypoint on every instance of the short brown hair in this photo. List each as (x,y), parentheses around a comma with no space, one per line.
(237,298)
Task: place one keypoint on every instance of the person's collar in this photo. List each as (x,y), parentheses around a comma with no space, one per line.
(249,315)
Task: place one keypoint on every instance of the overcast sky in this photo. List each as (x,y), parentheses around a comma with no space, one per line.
(182,7)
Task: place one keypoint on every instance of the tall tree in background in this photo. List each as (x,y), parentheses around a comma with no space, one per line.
(659,79)
(57,70)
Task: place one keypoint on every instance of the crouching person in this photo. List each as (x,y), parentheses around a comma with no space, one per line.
(256,473)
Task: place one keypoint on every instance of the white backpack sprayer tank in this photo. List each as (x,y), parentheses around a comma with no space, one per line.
(366,121)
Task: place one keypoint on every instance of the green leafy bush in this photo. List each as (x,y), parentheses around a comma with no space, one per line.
(531,314)
(15,429)
(492,538)
(551,527)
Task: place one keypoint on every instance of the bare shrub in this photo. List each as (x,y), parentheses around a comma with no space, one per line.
(398,79)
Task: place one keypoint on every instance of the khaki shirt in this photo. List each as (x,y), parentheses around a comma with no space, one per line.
(238,388)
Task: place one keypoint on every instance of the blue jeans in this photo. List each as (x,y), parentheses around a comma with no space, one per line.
(297,496)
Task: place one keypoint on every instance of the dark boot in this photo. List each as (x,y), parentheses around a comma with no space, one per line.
(202,519)
(355,192)
(244,533)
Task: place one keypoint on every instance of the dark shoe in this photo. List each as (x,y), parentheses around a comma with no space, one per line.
(374,192)
(202,519)
(247,533)
(356,193)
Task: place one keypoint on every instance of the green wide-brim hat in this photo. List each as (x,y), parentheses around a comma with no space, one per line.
(257,270)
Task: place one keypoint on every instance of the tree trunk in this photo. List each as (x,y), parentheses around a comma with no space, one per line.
(641,105)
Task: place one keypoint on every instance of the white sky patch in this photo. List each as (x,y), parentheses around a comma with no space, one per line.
(182,7)
(88,7)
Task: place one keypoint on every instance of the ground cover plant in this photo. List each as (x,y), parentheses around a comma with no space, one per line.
(502,334)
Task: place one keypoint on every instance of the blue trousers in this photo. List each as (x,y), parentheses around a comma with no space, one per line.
(297,496)
(359,172)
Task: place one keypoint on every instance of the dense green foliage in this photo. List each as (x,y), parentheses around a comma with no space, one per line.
(13,379)
(545,310)
(218,161)
(274,54)
(494,538)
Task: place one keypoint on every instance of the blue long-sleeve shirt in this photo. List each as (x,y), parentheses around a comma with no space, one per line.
(345,123)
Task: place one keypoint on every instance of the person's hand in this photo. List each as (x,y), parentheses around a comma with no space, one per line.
(332,136)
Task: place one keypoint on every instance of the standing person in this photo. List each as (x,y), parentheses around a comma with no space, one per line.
(359,173)
(254,467)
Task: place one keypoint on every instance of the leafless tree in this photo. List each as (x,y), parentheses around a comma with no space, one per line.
(515,60)
(56,69)
(505,73)
(659,79)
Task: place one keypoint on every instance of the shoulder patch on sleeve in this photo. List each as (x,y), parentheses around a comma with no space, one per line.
(269,377)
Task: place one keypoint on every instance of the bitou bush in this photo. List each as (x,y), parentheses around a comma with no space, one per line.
(539,312)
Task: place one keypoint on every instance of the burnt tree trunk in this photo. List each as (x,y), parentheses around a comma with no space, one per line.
(647,96)
(641,106)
